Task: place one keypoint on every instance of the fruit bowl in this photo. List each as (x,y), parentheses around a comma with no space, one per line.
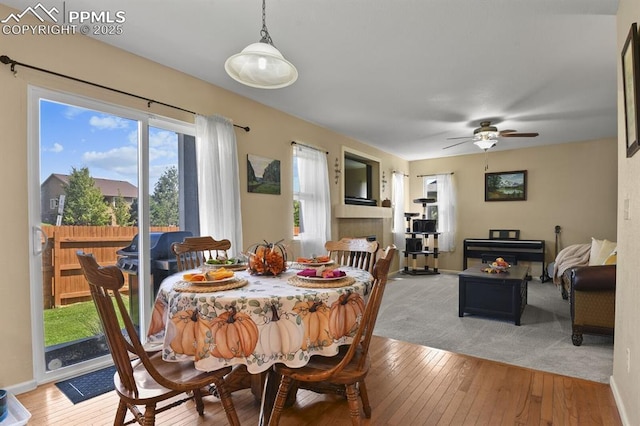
(499,265)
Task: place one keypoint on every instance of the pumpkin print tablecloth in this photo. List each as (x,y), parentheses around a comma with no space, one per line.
(268,320)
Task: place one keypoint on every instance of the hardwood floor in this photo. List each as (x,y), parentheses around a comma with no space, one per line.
(408,385)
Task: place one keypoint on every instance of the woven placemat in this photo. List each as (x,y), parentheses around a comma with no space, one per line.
(301,282)
(237,267)
(187,287)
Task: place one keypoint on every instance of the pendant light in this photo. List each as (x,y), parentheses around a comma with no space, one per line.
(260,64)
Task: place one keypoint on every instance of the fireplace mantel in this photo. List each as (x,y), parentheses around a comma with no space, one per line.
(358,212)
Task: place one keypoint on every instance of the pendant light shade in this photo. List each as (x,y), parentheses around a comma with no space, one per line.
(260,64)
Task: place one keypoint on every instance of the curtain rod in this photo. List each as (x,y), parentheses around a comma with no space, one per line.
(400,173)
(309,146)
(433,174)
(7,60)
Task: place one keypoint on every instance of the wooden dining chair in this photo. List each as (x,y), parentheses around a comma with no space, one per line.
(194,251)
(344,373)
(356,252)
(142,379)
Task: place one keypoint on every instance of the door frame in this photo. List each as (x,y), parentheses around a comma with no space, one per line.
(41,375)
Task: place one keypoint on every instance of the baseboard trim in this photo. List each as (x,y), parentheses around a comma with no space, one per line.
(23,387)
(619,403)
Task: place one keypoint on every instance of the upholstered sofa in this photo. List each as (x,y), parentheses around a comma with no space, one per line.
(593,300)
(586,275)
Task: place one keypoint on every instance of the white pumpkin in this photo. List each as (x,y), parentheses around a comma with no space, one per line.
(281,334)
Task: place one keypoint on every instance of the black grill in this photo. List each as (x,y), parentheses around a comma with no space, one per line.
(163,263)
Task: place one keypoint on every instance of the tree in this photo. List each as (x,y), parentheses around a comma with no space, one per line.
(163,208)
(121,211)
(133,213)
(84,204)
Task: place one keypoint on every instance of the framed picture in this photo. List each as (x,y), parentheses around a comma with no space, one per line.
(631,89)
(505,186)
(263,175)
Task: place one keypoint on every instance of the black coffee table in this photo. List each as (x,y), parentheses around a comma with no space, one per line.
(501,295)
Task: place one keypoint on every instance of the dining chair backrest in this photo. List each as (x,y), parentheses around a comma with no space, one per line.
(356,252)
(105,284)
(368,322)
(144,378)
(194,251)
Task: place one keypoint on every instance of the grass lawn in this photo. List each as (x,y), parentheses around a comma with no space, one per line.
(72,322)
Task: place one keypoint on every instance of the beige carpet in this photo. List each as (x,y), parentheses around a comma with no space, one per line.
(424,310)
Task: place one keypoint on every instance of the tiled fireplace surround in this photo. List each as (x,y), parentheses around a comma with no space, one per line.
(365,221)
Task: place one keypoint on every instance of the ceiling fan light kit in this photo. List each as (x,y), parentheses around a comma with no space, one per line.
(260,64)
(486,136)
(485,144)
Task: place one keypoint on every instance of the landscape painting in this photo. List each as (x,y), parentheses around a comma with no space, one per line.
(506,186)
(263,175)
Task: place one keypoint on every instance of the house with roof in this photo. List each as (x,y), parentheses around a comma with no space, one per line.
(52,194)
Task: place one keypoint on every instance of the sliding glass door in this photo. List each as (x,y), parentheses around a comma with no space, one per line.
(100,175)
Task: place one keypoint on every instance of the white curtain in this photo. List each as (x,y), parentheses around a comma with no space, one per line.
(446,212)
(399,222)
(315,202)
(218,180)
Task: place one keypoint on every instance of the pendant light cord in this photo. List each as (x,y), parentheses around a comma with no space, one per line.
(266,38)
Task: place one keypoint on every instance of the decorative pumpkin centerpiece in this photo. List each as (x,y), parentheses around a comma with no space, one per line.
(267,258)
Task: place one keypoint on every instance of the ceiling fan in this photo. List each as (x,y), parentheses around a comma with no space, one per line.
(486,136)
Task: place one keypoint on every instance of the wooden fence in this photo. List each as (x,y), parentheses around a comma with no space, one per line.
(62,279)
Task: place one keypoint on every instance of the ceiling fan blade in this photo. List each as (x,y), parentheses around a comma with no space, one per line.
(456,144)
(503,132)
(519,135)
(461,137)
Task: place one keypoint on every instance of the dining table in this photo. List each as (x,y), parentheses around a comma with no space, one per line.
(252,322)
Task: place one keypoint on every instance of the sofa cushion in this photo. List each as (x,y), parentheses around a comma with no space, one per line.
(612,259)
(600,251)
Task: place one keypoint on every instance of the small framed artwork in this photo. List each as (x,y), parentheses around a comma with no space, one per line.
(505,186)
(631,89)
(263,175)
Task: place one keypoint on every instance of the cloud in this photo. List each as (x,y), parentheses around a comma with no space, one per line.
(71,112)
(108,122)
(163,145)
(55,148)
(123,161)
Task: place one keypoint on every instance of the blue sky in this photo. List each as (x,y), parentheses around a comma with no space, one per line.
(106,144)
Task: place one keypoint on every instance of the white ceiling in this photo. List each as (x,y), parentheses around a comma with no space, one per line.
(401,75)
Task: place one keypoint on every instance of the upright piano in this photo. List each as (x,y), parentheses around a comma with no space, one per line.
(511,250)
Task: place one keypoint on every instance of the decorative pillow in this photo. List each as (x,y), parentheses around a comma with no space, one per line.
(612,258)
(600,251)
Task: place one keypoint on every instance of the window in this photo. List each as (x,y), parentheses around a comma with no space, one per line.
(441,188)
(431,191)
(296,197)
(53,203)
(311,199)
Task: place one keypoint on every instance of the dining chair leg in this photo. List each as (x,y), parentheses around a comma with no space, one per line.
(149,415)
(354,405)
(281,399)
(120,413)
(197,397)
(292,394)
(364,396)
(227,404)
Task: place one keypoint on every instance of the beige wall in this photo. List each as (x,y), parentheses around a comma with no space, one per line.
(265,217)
(626,381)
(572,185)
(560,192)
